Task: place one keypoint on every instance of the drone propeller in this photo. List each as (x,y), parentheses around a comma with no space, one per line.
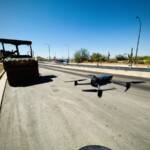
(95,90)
(128,84)
(99,91)
(76,80)
(90,90)
(136,82)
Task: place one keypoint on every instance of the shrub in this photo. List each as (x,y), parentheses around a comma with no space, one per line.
(96,57)
(121,57)
(112,61)
(140,61)
(146,59)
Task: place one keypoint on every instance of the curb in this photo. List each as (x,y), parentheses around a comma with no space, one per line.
(3,79)
(95,72)
(86,74)
(1,74)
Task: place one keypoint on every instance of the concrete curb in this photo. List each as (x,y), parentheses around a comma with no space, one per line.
(86,75)
(3,79)
(124,74)
(1,74)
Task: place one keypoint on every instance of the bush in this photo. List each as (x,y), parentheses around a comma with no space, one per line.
(143,59)
(96,57)
(140,61)
(121,57)
(77,56)
(41,58)
(147,62)
(146,59)
(103,58)
(112,61)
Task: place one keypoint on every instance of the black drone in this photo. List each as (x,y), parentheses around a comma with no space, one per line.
(101,80)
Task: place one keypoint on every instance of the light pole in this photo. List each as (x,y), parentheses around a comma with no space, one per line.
(139,34)
(68,54)
(48,49)
(68,51)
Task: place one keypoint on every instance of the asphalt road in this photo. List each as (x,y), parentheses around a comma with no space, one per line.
(83,73)
(55,115)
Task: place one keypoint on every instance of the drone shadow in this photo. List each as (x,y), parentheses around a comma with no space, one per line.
(95,90)
(94,147)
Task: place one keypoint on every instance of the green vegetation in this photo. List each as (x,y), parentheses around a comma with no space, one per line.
(97,57)
(143,60)
(39,58)
(82,55)
(121,57)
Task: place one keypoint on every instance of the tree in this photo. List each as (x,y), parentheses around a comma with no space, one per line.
(121,57)
(81,55)
(84,54)
(97,57)
(77,56)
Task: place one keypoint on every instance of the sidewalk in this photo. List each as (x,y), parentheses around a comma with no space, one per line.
(103,70)
(113,65)
(2,87)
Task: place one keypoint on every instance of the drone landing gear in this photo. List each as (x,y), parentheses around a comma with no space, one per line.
(99,92)
(75,83)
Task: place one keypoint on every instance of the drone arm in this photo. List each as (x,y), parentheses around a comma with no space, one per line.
(77,83)
(128,84)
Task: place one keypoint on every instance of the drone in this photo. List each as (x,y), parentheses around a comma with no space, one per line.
(101,80)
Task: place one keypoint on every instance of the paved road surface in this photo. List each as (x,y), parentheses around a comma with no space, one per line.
(85,74)
(58,116)
(117,72)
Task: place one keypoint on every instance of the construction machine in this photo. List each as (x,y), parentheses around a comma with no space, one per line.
(20,69)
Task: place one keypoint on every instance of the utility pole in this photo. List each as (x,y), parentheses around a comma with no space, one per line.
(49,49)
(68,51)
(139,34)
(68,54)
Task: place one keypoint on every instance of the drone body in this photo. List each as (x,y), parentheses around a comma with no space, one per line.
(99,80)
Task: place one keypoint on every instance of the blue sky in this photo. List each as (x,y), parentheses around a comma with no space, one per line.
(98,25)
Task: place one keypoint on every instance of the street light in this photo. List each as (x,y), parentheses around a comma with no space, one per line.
(68,51)
(139,34)
(68,54)
(48,49)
